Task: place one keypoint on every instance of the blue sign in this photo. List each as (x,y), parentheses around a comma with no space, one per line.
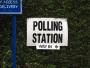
(10,6)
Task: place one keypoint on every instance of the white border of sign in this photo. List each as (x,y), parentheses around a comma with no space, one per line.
(29,21)
(14,12)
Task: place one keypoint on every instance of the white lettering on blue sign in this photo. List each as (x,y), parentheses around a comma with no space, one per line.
(10,6)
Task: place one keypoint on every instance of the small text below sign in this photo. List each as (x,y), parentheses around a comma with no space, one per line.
(47,33)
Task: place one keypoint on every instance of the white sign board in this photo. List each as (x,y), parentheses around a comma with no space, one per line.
(47,33)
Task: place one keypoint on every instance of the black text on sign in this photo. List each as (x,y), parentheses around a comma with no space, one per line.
(47,33)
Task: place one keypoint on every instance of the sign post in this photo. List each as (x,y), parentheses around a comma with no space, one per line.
(12,7)
(14,41)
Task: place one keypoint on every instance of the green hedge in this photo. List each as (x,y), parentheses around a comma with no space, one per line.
(75,55)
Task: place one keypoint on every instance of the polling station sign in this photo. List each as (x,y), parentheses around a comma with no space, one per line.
(47,33)
(10,6)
